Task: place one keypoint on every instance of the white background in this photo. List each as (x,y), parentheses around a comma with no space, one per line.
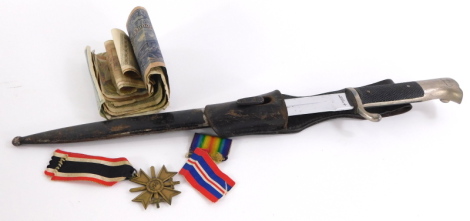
(410,167)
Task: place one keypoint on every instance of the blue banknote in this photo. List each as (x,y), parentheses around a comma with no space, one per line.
(143,39)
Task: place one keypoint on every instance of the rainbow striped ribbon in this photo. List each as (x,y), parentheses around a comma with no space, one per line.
(217,148)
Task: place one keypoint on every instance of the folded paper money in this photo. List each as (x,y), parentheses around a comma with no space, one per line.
(130,78)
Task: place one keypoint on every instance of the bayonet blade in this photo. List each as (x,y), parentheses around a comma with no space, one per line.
(317,104)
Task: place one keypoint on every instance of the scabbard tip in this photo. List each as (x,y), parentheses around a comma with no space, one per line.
(16,141)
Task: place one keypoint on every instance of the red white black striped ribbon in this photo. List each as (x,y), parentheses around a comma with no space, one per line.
(68,166)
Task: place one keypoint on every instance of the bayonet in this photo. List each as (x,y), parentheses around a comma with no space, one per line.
(271,113)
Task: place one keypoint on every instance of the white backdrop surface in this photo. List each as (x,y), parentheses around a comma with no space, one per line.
(409,167)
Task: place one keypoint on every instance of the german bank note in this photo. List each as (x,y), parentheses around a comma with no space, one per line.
(130,78)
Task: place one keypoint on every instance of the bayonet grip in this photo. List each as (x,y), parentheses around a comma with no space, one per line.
(389,93)
(444,89)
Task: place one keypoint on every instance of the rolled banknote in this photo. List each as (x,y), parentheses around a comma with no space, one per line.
(146,48)
(130,78)
(125,53)
(125,83)
(110,103)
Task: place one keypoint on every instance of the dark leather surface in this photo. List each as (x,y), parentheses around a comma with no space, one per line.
(253,115)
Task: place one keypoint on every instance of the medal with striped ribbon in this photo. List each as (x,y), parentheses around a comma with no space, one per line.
(68,166)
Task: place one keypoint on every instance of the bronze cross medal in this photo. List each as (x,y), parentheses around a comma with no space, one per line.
(156,189)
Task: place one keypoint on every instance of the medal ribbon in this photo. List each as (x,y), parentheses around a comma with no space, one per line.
(218,148)
(204,175)
(67,166)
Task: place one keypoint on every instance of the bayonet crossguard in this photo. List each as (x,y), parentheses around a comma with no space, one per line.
(271,113)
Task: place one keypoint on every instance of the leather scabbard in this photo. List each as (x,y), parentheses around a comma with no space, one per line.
(267,114)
